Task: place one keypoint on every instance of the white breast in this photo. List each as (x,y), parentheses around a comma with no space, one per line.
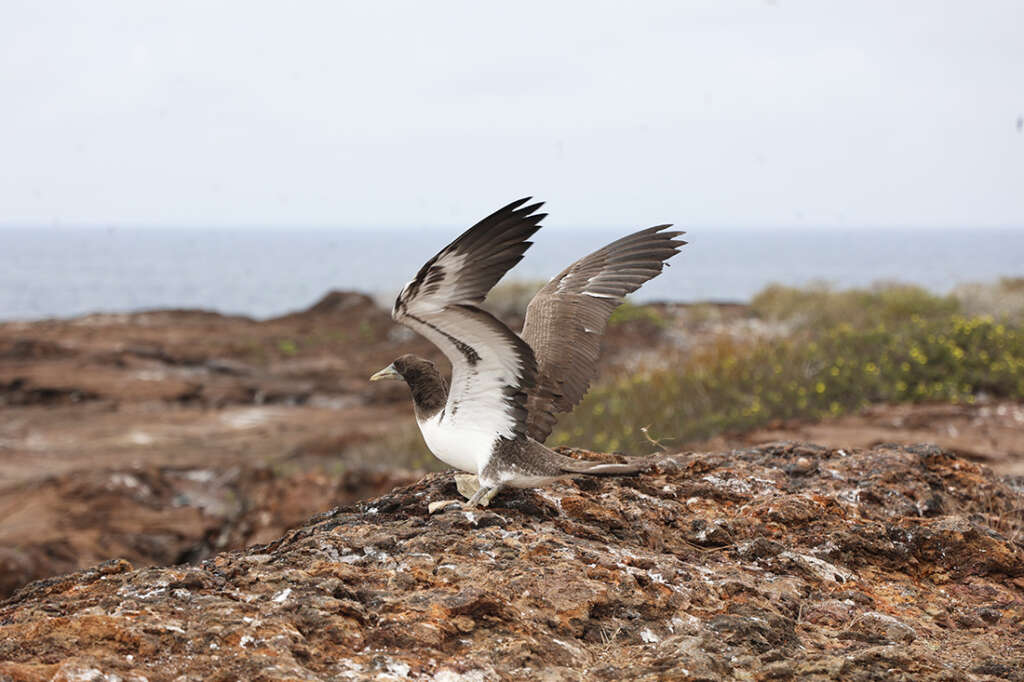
(464,448)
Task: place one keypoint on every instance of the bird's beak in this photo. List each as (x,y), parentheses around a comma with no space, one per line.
(388,372)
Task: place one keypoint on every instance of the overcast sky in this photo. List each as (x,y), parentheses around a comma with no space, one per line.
(709,113)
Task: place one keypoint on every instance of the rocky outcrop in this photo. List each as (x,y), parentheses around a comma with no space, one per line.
(196,357)
(785,561)
(162,515)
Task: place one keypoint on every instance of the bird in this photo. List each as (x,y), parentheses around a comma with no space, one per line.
(507,389)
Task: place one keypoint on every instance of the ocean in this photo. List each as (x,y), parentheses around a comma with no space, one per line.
(62,272)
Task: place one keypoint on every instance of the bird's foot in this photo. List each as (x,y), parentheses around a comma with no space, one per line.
(482,497)
(467,484)
(486,499)
(469,487)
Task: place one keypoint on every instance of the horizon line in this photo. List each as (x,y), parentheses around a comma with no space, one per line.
(267,227)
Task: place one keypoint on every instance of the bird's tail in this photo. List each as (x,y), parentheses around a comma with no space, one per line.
(592,468)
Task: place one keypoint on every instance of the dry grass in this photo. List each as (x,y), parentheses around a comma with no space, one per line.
(819,307)
(1003,300)
(1001,512)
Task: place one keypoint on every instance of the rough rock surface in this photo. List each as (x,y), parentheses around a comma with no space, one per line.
(786,561)
(168,435)
(987,432)
(163,515)
(200,358)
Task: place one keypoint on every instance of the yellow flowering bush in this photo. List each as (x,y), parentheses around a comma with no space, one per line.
(899,345)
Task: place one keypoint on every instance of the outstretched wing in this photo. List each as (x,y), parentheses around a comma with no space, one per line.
(566,319)
(491,366)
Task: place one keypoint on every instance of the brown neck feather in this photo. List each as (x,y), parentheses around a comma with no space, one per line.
(429,391)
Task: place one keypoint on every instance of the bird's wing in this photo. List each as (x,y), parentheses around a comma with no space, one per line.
(491,366)
(566,319)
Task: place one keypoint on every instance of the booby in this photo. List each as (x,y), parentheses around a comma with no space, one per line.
(506,388)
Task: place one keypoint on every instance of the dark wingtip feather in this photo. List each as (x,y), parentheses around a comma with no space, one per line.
(514,205)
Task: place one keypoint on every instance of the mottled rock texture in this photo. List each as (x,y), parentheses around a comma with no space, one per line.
(785,561)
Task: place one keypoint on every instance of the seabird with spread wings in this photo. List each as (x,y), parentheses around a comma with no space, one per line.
(506,388)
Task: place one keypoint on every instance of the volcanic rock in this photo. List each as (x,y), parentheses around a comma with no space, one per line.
(832,573)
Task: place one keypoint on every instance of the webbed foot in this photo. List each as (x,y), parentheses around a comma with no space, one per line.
(470,488)
(467,484)
(482,497)
(486,499)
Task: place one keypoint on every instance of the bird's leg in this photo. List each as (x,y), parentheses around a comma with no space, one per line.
(482,497)
(489,495)
(469,486)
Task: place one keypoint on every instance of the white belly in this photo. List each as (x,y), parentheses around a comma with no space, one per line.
(464,449)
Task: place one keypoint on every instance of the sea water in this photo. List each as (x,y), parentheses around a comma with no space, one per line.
(61,272)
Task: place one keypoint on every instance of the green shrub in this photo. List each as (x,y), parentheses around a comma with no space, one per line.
(631,312)
(728,387)
(287,347)
(818,307)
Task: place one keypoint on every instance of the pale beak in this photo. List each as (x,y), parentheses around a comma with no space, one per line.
(388,372)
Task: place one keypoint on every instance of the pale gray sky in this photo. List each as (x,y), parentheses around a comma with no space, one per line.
(708,113)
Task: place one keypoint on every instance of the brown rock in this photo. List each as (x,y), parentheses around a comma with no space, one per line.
(611,587)
(876,627)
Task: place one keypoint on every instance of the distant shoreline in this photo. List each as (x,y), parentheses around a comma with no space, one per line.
(263,274)
(962,291)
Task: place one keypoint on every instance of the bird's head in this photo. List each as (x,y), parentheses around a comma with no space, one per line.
(410,368)
(428,387)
